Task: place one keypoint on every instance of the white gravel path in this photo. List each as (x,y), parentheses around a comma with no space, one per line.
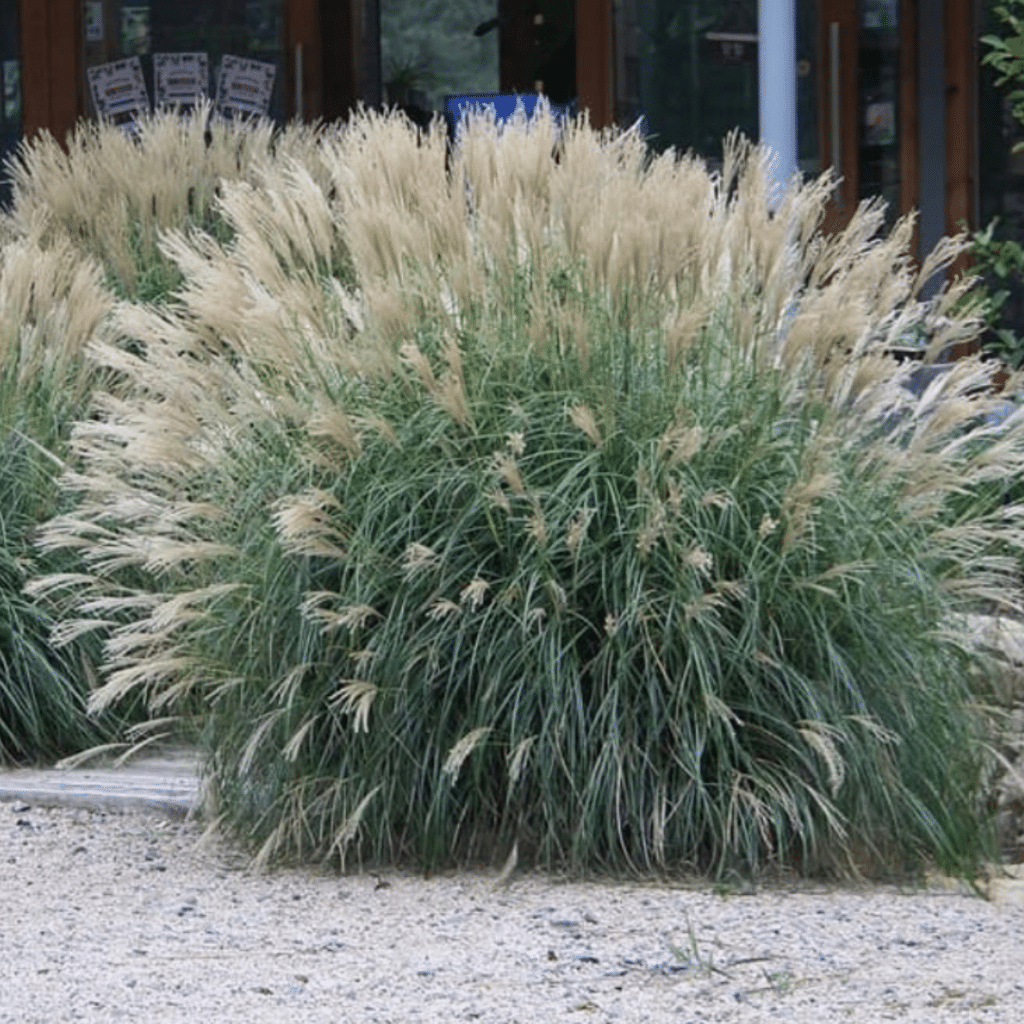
(127,917)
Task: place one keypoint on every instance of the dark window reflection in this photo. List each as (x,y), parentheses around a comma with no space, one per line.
(252,29)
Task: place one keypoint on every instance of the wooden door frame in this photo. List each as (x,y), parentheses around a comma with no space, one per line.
(52,76)
(844,13)
(961,115)
(595,60)
(334,28)
(54,98)
(595,69)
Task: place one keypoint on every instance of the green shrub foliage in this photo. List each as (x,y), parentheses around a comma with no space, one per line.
(51,305)
(585,511)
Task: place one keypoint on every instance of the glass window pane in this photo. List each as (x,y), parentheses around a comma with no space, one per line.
(252,29)
(432,48)
(1001,171)
(878,67)
(11,111)
(691,68)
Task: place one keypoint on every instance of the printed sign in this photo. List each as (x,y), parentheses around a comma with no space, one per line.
(244,87)
(119,90)
(180,80)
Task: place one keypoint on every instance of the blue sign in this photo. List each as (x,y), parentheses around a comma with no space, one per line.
(504,104)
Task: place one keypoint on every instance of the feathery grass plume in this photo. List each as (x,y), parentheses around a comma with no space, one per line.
(52,302)
(111,194)
(675,583)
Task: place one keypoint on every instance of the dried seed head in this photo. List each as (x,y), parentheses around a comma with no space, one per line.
(506,467)
(700,559)
(418,557)
(352,617)
(517,759)
(680,444)
(516,442)
(499,499)
(334,424)
(577,530)
(382,427)
(583,419)
(538,528)
(461,750)
(412,356)
(304,525)
(451,396)
(536,617)
(718,499)
(474,592)
(654,529)
(442,609)
(355,697)
(704,604)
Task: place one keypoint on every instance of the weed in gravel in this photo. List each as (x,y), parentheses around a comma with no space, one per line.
(691,957)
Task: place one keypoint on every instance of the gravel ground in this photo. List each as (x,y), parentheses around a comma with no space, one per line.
(129,917)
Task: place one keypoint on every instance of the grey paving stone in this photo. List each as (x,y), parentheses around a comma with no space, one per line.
(167,782)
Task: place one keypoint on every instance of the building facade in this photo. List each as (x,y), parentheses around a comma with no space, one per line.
(890,92)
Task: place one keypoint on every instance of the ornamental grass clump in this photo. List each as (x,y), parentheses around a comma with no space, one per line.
(111,193)
(52,303)
(589,519)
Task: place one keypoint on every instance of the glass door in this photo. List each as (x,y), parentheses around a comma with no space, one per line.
(690,69)
(869,128)
(878,102)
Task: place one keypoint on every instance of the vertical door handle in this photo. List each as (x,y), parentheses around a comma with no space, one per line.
(836,110)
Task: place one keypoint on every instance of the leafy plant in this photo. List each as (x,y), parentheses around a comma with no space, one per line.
(999,263)
(1006,55)
(600,524)
(403,78)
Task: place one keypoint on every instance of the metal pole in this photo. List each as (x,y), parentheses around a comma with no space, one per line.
(300,97)
(776,57)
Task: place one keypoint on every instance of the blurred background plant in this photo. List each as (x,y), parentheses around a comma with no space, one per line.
(574,506)
(403,80)
(997,257)
(999,263)
(1006,54)
(429,50)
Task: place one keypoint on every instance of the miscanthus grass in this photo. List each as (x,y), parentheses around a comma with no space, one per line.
(588,518)
(52,303)
(112,194)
